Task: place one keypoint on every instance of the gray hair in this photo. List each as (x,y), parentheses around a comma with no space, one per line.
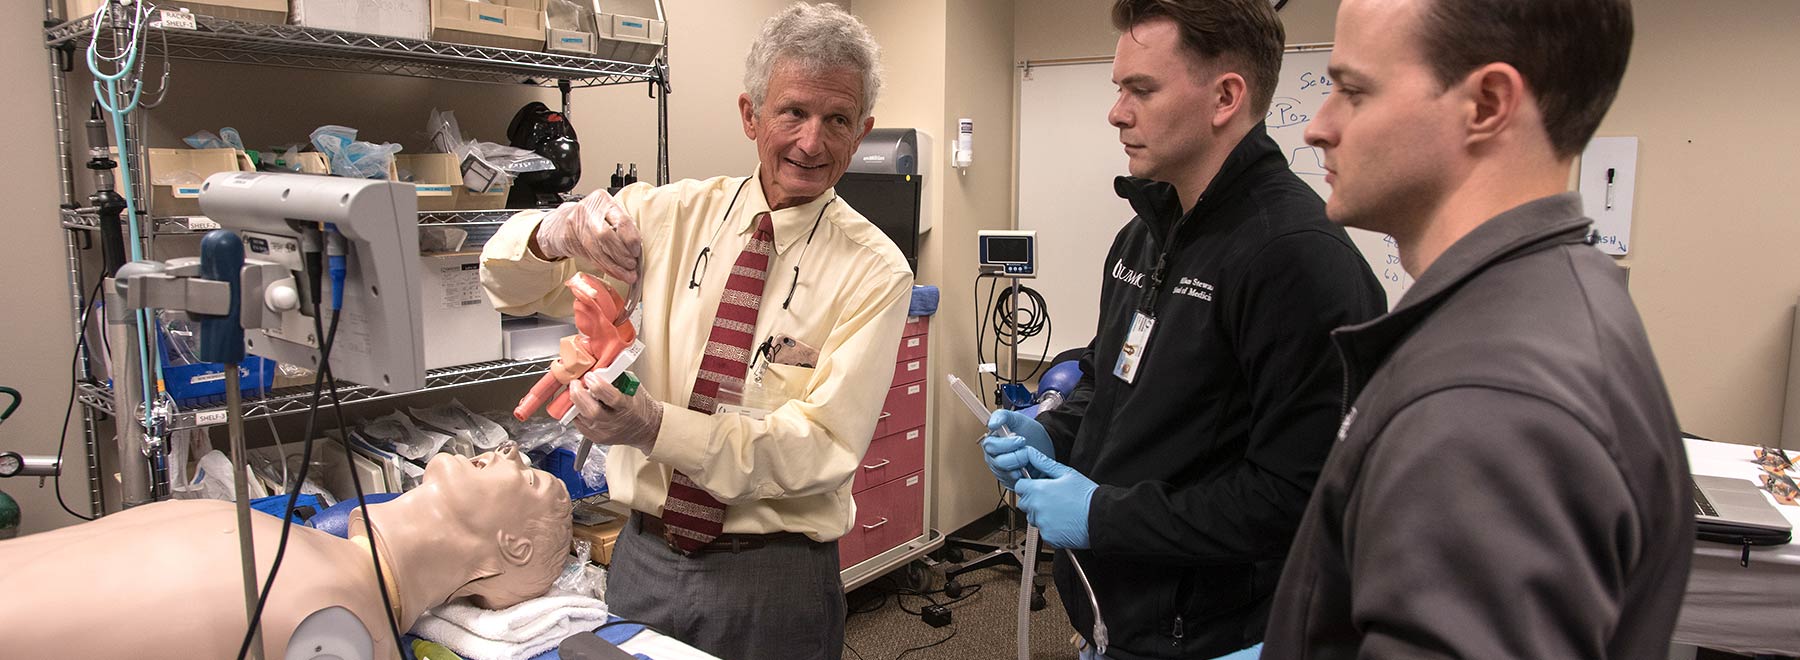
(817,38)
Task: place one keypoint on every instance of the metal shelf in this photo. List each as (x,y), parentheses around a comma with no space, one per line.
(289,400)
(493,217)
(216,39)
(293,46)
(86,219)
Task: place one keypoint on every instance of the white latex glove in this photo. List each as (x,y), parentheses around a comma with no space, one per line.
(608,417)
(595,229)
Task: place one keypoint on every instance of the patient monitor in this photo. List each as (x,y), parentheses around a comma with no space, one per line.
(379,342)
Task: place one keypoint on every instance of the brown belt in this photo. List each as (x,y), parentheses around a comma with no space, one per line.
(655,526)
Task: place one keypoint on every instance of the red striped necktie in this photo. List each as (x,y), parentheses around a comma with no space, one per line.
(692,516)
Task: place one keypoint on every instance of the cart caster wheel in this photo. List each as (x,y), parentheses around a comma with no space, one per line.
(952,589)
(1038,603)
(953,555)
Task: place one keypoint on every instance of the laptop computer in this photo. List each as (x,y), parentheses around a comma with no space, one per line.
(1735,511)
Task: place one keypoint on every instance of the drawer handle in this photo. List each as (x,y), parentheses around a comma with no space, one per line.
(869,527)
(883,463)
(884,415)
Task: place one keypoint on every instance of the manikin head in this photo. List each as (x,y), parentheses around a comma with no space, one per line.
(810,84)
(1436,98)
(520,512)
(1194,76)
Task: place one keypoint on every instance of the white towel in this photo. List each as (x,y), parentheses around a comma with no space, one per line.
(515,633)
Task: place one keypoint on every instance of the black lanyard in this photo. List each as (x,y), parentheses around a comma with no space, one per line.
(698,272)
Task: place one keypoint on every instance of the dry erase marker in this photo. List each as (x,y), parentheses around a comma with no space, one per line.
(1609,187)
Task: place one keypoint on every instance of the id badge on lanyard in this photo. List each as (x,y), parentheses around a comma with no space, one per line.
(1136,342)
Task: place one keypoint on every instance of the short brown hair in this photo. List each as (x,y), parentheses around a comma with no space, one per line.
(1572,54)
(1240,33)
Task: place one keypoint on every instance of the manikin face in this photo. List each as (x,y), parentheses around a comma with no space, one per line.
(1389,132)
(526,511)
(1163,111)
(806,131)
(497,490)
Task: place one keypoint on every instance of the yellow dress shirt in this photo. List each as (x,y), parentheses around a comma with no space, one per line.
(789,471)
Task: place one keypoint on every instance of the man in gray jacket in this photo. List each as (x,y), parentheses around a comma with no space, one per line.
(1510,482)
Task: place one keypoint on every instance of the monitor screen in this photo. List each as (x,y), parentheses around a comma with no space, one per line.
(891,201)
(1007,249)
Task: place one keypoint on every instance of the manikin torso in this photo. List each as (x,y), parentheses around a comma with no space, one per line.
(164,580)
(117,574)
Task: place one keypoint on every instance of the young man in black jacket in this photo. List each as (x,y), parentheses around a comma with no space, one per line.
(1510,482)
(1178,469)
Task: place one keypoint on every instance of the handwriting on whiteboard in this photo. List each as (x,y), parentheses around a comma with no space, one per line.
(1303,88)
(1604,240)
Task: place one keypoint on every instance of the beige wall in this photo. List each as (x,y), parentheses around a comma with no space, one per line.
(979,84)
(949,59)
(1710,268)
(708,42)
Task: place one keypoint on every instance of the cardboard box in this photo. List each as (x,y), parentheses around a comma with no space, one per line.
(604,536)
(182,171)
(494,198)
(272,12)
(434,177)
(409,19)
(516,24)
(312,162)
(461,326)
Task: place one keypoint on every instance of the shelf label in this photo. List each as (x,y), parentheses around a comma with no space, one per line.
(209,418)
(175,19)
(200,222)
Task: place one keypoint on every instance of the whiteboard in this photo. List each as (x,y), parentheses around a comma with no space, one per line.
(1068,155)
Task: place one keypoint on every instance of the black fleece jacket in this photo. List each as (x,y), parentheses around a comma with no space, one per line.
(1206,461)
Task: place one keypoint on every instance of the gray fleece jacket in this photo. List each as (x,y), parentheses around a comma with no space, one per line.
(1510,482)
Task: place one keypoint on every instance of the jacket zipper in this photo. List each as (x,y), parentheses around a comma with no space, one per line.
(1182,589)
(1344,398)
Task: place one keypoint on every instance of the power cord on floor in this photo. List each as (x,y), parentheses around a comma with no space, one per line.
(936,613)
(953,630)
(898,591)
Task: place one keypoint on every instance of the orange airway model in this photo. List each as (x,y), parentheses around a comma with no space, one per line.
(602,342)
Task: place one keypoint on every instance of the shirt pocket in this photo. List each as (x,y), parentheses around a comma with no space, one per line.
(779,384)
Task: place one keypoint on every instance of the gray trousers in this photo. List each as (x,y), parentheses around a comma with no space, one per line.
(783,601)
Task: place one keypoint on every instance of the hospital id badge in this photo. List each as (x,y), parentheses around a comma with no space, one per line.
(1136,342)
(733,402)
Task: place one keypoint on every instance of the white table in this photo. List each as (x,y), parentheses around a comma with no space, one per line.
(1731,607)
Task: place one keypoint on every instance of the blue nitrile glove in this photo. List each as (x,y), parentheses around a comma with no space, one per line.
(1002,453)
(1058,503)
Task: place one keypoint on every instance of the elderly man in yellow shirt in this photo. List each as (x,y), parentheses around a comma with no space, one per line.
(731,545)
